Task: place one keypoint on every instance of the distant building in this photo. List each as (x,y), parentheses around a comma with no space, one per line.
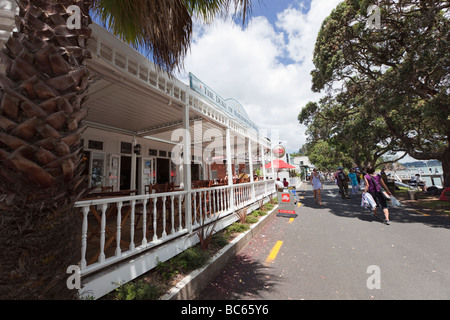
(300,162)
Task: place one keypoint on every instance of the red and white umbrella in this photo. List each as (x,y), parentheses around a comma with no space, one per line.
(278,165)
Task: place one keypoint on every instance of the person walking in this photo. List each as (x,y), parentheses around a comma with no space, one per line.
(374,184)
(342,182)
(353,181)
(316,185)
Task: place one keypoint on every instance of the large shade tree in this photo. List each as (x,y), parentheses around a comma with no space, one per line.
(351,126)
(400,68)
(44,84)
(327,157)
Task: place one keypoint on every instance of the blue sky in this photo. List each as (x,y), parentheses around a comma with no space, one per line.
(270,8)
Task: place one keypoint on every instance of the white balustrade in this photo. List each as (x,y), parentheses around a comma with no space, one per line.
(110,227)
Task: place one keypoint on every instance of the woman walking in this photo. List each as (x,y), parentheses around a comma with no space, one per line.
(374,184)
(353,181)
(317,185)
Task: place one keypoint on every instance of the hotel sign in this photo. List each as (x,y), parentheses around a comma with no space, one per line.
(230,106)
(279,151)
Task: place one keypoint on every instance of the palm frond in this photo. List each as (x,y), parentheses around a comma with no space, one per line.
(207,10)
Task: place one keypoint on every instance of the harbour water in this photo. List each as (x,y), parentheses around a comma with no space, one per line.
(431,175)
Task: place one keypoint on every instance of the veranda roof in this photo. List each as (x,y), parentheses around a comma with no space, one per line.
(131,96)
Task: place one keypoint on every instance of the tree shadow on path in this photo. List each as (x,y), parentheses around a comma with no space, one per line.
(351,208)
(242,278)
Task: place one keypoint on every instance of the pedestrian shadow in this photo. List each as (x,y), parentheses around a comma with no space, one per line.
(243,278)
(351,208)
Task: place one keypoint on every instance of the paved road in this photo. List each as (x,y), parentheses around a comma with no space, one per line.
(338,251)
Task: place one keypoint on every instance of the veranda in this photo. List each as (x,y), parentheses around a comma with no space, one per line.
(158,155)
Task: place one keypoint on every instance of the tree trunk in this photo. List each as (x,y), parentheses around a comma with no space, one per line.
(43,85)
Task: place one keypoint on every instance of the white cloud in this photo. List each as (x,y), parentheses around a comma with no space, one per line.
(266,67)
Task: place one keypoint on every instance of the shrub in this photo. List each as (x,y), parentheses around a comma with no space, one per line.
(242,215)
(251,219)
(258,213)
(190,259)
(236,227)
(220,240)
(139,290)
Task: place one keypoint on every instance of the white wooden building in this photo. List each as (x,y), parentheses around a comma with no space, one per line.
(132,104)
(146,128)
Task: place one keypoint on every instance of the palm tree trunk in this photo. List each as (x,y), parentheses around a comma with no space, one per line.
(43,86)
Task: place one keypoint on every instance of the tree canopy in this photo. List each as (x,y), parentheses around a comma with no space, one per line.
(387,88)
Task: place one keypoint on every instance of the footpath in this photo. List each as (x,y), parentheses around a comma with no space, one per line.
(191,285)
(337,251)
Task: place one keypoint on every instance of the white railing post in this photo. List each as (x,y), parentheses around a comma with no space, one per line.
(155,237)
(214,200)
(210,207)
(84,229)
(229,169)
(144,222)
(263,165)
(119,227)
(180,227)
(172,214)
(133,205)
(250,163)
(164,234)
(200,204)
(194,196)
(101,257)
(222,207)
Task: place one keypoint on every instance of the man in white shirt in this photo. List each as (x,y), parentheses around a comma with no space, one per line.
(279,184)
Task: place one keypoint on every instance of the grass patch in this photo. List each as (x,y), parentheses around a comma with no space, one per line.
(237,227)
(258,213)
(187,261)
(251,219)
(437,206)
(427,202)
(269,206)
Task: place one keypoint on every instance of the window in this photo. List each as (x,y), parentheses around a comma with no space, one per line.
(97,170)
(95,145)
(162,153)
(126,147)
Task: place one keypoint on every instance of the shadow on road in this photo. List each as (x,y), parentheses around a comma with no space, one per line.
(243,278)
(351,208)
